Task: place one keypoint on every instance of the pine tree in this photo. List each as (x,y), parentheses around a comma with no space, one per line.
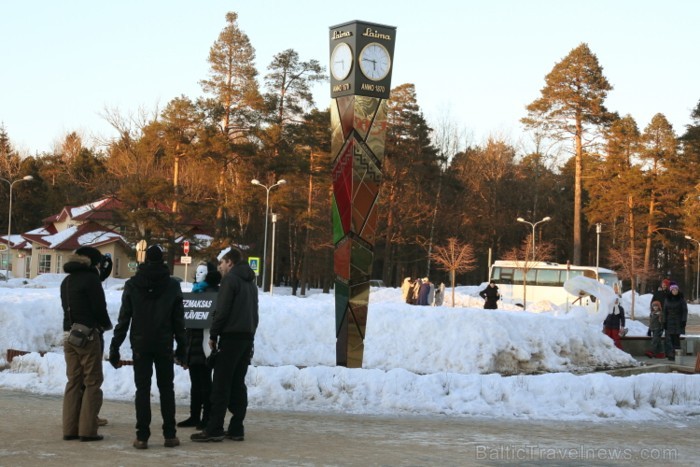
(236,100)
(571,106)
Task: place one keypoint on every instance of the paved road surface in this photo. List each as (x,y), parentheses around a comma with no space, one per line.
(31,436)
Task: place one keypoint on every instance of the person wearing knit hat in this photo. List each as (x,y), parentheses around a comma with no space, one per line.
(153,314)
(656,329)
(154,254)
(661,293)
(674,317)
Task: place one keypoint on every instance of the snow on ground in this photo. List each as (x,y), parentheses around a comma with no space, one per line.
(462,361)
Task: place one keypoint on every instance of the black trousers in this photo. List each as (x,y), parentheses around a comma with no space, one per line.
(228,386)
(165,374)
(200,392)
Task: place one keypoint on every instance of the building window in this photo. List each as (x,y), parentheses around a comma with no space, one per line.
(59,264)
(116,268)
(44,264)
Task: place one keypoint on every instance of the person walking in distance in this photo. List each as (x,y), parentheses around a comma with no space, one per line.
(85,318)
(152,305)
(233,327)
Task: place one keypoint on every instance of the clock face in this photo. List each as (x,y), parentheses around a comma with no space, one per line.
(375,62)
(341,61)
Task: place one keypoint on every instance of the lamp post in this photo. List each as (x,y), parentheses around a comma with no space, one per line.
(697,268)
(26,178)
(598,229)
(255,181)
(272,259)
(520,219)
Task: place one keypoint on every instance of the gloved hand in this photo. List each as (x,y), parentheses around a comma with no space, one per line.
(114,358)
(180,356)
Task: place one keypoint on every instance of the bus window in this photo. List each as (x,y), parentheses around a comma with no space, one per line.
(518,276)
(548,277)
(502,275)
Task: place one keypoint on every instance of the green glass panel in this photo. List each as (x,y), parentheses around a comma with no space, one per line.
(338,233)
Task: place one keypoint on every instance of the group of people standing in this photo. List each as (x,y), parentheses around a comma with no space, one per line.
(422,292)
(667,320)
(152,313)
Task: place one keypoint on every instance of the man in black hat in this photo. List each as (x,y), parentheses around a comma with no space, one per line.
(152,304)
(85,315)
(233,327)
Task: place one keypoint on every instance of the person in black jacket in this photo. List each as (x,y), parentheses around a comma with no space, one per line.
(83,302)
(491,295)
(674,318)
(207,280)
(233,328)
(152,305)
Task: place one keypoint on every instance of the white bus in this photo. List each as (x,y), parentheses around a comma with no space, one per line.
(545,281)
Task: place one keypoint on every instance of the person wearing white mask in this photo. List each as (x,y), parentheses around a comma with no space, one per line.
(207,279)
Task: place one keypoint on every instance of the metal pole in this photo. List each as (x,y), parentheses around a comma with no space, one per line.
(9,232)
(697,268)
(272,258)
(533,241)
(697,274)
(267,205)
(597,250)
(597,257)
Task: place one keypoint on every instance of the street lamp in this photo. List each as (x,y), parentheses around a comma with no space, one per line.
(520,219)
(26,178)
(255,181)
(272,260)
(697,269)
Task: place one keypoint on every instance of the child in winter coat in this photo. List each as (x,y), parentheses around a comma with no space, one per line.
(656,329)
(614,322)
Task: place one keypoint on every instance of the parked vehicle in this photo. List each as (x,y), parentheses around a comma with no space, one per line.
(545,281)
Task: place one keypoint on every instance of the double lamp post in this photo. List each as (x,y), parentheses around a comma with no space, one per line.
(256,182)
(520,219)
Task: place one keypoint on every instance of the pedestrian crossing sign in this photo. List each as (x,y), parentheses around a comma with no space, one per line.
(254,264)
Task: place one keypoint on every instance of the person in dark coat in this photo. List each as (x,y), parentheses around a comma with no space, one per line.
(491,295)
(152,305)
(83,302)
(207,280)
(233,330)
(661,293)
(614,322)
(675,316)
(424,292)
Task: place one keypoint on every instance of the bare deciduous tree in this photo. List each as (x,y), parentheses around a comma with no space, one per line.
(455,257)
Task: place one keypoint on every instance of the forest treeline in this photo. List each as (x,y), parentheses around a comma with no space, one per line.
(190,165)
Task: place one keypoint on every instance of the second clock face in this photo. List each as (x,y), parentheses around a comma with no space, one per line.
(341,61)
(375,61)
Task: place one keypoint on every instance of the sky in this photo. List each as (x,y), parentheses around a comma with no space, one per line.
(476,65)
(418,360)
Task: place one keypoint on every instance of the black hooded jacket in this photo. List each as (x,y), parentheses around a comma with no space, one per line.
(152,304)
(236,311)
(82,297)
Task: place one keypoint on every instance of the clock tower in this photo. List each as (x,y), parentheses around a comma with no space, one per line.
(361,63)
